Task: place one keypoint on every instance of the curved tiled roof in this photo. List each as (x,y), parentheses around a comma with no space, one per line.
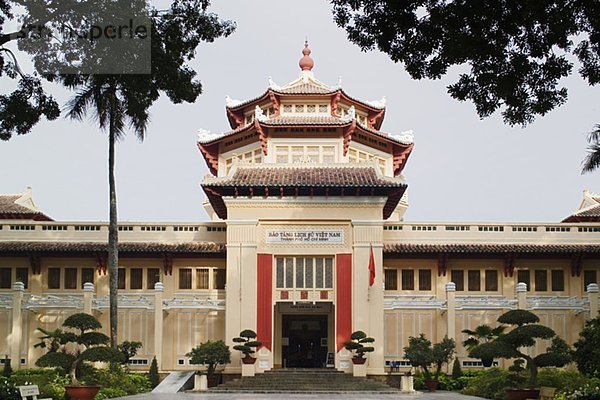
(126,247)
(305,88)
(10,209)
(466,248)
(334,175)
(305,120)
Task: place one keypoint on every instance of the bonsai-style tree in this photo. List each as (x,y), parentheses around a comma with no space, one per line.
(85,344)
(357,344)
(525,334)
(129,350)
(421,353)
(247,343)
(587,348)
(482,334)
(210,354)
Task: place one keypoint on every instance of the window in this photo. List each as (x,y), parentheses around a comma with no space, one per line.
(121,279)
(5,280)
(322,108)
(219,278)
(292,154)
(424,279)
(135,278)
(558,280)
(491,280)
(252,157)
(304,272)
(287,108)
(408,279)
(153,277)
(185,278)
(201,278)
(458,277)
(299,108)
(70,278)
(87,275)
(541,280)
(23,276)
(523,276)
(53,278)
(474,280)
(356,155)
(589,276)
(391,279)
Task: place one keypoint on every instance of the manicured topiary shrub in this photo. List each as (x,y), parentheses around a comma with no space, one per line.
(247,343)
(357,343)
(210,354)
(587,348)
(153,374)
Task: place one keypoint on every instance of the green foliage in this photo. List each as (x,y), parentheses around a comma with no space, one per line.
(357,344)
(50,382)
(513,56)
(456,369)
(89,346)
(421,353)
(110,393)
(52,340)
(481,334)
(587,348)
(210,354)
(564,381)
(8,391)
(129,350)
(248,344)
(525,334)
(153,374)
(587,392)
(491,383)
(117,378)
(7,369)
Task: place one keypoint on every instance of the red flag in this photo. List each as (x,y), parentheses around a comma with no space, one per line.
(371,268)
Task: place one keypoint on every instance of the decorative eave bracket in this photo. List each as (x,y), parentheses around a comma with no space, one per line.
(35,261)
(262,137)
(348,131)
(237,117)
(275,100)
(101,268)
(509,265)
(576,264)
(212,158)
(400,158)
(442,264)
(168,263)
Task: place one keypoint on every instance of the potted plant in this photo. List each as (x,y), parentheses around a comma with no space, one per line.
(211,354)
(68,350)
(247,345)
(524,335)
(421,353)
(482,334)
(357,345)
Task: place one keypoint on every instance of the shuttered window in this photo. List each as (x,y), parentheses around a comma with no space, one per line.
(523,277)
(424,279)
(408,279)
(458,277)
(491,280)
(474,277)
(558,280)
(541,280)
(391,279)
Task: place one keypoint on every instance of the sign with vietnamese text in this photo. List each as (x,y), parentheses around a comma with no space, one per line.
(305,236)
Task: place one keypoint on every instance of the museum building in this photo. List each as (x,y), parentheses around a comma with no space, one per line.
(306,244)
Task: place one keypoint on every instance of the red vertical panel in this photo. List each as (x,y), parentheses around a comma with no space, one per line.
(343,306)
(264,307)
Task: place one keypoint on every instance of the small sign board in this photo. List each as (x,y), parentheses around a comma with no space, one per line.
(305,236)
(330,361)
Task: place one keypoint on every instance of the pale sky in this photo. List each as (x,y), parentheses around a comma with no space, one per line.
(462,168)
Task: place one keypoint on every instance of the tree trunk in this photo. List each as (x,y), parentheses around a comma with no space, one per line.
(532,373)
(113,232)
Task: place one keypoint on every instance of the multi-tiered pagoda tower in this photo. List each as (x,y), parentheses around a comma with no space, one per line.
(305,180)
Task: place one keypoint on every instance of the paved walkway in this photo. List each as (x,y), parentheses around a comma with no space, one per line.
(243,396)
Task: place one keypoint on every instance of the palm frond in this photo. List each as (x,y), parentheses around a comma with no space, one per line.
(592,160)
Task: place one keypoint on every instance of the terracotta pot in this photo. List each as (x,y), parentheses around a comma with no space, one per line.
(522,394)
(248,360)
(431,384)
(359,360)
(82,392)
(213,380)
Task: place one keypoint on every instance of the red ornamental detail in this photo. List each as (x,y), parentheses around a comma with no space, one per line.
(324,294)
(374,118)
(400,158)
(285,295)
(264,303)
(343,307)
(36,264)
(275,100)
(168,264)
(509,265)
(239,120)
(335,99)
(576,263)
(442,264)
(303,295)
(101,268)
(348,131)
(211,155)
(262,137)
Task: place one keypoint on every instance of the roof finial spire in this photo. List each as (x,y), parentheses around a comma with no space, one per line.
(306,62)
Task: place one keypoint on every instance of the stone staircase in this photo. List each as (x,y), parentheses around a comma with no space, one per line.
(303,380)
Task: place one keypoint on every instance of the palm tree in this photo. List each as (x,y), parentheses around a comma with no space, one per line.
(102,96)
(121,102)
(592,160)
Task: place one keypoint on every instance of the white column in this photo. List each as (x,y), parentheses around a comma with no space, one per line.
(451,309)
(592,291)
(17,328)
(158,322)
(521,295)
(88,293)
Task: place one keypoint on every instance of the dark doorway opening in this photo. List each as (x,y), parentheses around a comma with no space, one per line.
(306,343)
